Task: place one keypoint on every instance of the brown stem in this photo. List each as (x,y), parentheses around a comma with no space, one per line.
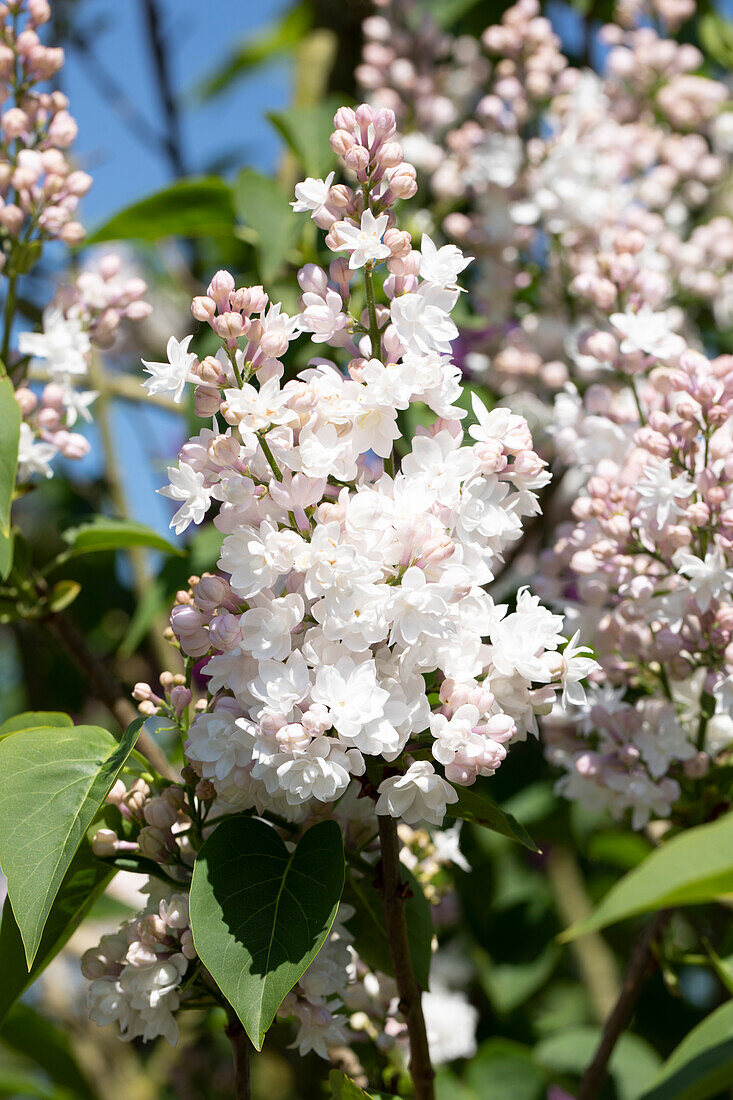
(393,901)
(642,965)
(240,1052)
(106,687)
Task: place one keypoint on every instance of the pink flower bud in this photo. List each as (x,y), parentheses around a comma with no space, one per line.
(63,130)
(14,122)
(364,116)
(104,843)
(78,183)
(220,287)
(403,182)
(27,400)
(225,632)
(138,311)
(229,326)
(312,279)
(207,401)
(390,155)
(342,142)
(212,592)
(384,123)
(73,233)
(224,451)
(344,119)
(203,308)
(39,11)
(356,159)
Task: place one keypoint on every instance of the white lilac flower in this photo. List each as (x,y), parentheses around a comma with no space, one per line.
(663,495)
(422,319)
(63,346)
(451,1022)
(188,486)
(441,266)
(364,242)
(172,376)
(34,455)
(645,331)
(709,576)
(576,667)
(417,796)
(312,194)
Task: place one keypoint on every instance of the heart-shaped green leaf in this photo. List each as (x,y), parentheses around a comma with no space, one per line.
(52,782)
(260,913)
(32,719)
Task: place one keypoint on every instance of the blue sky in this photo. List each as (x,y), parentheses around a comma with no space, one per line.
(201,33)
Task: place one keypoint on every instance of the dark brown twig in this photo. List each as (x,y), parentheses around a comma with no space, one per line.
(240,1052)
(642,965)
(156,36)
(393,901)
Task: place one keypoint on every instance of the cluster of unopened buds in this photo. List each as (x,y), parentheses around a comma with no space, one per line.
(155,825)
(83,315)
(38,186)
(646,572)
(544,158)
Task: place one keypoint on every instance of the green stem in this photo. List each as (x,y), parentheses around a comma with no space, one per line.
(269,456)
(374,336)
(8,322)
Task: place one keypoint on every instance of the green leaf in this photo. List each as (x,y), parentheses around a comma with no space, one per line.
(702,1065)
(716,37)
(504,1068)
(53,782)
(31,719)
(260,914)
(265,208)
(104,533)
(633,1064)
(17,1082)
(25,257)
(10,419)
(509,985)
(693,867)
(63,594)
(279,38)
(722,967)
(29,1034)
(306,131)
(196,207)
(367,925)
(6,563)
(83,883)
(447,12)
(343,1088)
(474,804)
